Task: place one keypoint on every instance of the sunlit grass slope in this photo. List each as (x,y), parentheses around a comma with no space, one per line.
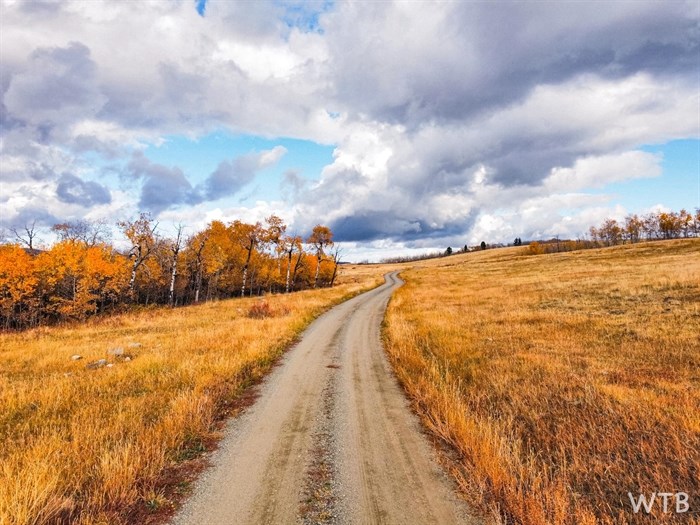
(86,445)
(562,381)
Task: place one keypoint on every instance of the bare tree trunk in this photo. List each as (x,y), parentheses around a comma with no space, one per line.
(289,269)
(197,285)
(245,276)
(173,273)
(279,271)
(318,270)
(335,272)
(296,268)
(245,268)
(336,261)
(136,252)
(252,284)
(132,281)
(198,277)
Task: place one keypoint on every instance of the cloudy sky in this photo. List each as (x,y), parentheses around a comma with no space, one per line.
(405,126)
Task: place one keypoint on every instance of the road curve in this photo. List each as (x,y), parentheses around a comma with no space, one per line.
(332,423)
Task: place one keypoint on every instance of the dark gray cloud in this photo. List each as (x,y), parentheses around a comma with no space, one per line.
(228,178)
(372,225)
(41,7)
(468,58)
(74,190)
(163,186)
(232,175)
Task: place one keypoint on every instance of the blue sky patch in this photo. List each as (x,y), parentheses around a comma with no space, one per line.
(677,187)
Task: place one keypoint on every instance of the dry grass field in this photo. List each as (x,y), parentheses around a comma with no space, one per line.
(561,381)
(99,445)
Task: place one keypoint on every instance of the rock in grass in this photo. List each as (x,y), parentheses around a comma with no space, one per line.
(117,350)
(96,364)
(134,345)
(76,357)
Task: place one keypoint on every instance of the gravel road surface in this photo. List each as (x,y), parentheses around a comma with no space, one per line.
(331,439)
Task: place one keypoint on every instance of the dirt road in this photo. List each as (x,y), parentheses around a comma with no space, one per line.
(330,440)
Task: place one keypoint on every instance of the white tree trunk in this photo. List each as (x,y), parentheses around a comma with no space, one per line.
(318,269)
(289,270)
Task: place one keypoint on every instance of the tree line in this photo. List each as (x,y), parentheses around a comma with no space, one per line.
(83,274)
(634,228)
(649,227)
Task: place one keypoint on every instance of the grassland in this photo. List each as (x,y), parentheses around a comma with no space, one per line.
(103,446)
(561,382)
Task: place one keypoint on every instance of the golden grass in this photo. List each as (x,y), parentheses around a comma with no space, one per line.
(563,381)
(91,446)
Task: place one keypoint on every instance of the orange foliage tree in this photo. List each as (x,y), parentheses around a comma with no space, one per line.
(19,305)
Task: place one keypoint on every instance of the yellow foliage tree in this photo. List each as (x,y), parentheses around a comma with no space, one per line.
(19,305)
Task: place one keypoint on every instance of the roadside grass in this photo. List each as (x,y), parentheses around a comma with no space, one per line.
(562,381)
(94,446)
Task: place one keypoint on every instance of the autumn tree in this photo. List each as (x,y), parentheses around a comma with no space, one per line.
(106,273)
(194,254)
(685,222)
(610,232)
(650,223)
(219,257)
(61,273)
(248,236)
(321,237)
(669,225)
(274,236)
(633,228)
(292,244)
(19,305)
(77,281)
(595,235)
(141,234)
